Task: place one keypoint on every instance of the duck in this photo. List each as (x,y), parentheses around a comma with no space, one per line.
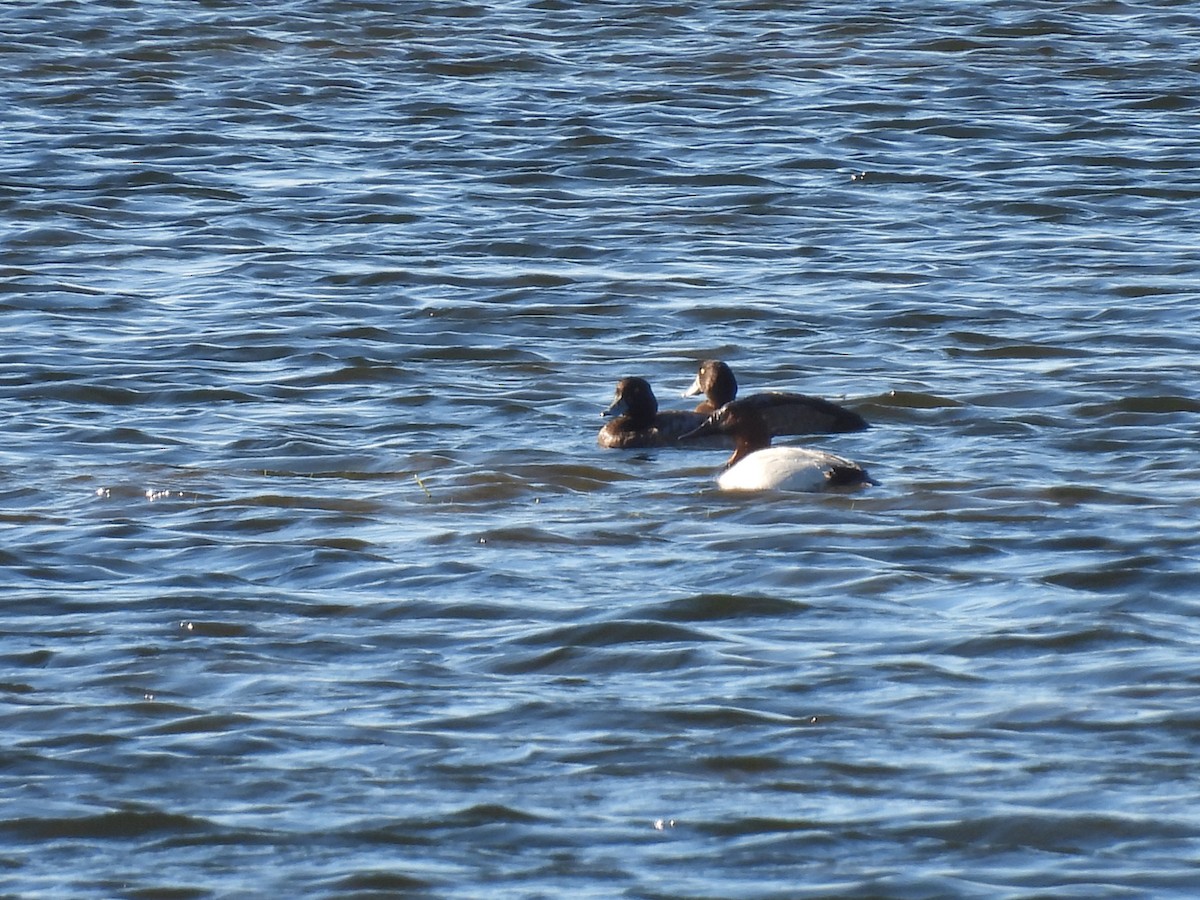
(757,466)
(638,423)
(786,413)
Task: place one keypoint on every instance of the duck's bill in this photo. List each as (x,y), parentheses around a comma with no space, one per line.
(704,429)
(618,408)
(694,389)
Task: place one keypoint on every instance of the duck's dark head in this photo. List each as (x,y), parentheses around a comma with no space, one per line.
(743,422)
(633,399)
(715,380)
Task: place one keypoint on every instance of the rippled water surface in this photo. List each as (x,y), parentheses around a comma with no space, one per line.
(315,582)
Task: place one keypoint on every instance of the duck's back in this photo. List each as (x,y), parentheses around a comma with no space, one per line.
(791,469)
(666,429)
(788,413)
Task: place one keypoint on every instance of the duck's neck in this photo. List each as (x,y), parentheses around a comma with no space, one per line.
(723,391)
(641,417)
(747,441)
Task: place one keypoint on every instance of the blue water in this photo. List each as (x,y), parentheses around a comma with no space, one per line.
(315,582)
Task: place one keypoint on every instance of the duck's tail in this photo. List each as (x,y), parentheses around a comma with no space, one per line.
(850,476)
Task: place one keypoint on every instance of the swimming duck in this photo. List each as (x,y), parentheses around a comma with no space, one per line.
(785,413)
(757,466)
(638,422)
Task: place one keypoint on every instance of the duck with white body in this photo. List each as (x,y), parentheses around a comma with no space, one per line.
(757,466)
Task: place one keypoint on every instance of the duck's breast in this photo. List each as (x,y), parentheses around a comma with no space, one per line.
(620,435)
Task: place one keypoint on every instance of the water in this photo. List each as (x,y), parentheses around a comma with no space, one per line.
(316,583)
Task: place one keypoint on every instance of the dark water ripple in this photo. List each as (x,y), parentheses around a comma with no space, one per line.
(315,582)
